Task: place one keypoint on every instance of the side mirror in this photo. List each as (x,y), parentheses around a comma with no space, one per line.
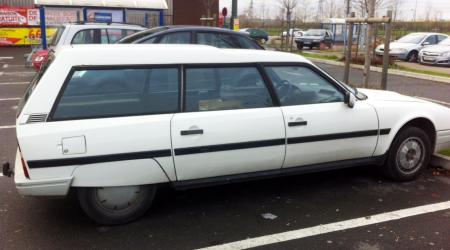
(350,99)
(426,43)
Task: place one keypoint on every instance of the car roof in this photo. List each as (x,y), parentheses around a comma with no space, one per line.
(426,33)
(102,25)
(143,54)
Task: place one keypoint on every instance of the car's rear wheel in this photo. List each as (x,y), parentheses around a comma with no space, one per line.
(115,205)
(409,155)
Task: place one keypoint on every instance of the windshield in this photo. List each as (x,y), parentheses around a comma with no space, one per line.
(445,42)
(412,38)
(315,33)
(56,37)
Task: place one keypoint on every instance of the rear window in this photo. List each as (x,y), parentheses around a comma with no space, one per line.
(94,93)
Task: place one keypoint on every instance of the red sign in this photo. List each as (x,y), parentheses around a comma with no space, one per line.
(224,11)
(13,16)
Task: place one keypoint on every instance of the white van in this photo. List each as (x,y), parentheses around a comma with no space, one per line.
(111,122)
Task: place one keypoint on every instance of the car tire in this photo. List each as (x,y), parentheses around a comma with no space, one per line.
(299,46)
(311,47)
(412,56)
(116,205)
(409,155)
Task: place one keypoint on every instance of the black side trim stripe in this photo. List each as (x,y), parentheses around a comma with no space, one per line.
(98,159)
(337,136)
(229,146)
(198,150)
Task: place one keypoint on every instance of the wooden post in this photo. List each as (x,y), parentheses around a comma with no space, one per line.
(369,34)
(387,40)
(348,52)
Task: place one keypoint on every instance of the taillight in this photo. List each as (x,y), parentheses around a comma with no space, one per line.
(24,165)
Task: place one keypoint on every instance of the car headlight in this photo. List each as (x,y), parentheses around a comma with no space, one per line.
(446,54)
(39,59)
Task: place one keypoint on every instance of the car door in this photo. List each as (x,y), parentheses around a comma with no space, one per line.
(320,127)
(104,115)
(229,124)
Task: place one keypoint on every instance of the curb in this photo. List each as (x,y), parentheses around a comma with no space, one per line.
(439,160)
(397,72)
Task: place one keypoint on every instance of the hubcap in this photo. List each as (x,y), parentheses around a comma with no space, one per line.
(117,199)
(410,155)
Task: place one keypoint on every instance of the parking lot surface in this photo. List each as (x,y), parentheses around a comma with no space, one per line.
(220,215)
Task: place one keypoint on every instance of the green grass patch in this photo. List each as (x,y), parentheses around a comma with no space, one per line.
(421,71)
(445,152)
(319,56)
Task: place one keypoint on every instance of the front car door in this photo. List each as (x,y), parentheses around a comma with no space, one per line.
(229,125)
(320,127)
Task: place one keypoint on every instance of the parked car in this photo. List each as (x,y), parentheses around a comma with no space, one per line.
(111,129)
(84,33)
(256,34)
(292,32)
(314,38)
(436,54)
(217,37)
(408,47)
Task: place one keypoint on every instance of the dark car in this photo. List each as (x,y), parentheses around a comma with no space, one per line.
(314,38)
(217,37)
(256,34)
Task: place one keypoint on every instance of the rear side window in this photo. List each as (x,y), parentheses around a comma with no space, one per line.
(217,40)
(209,89)
(86,37)
(247,43)
(176,38)
(118,92)
(117,34)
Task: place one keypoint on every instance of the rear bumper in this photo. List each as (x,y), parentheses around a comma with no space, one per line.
(44,187)
(442,140)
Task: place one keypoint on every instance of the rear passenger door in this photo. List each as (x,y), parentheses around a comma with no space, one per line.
(122,114)
(229,124)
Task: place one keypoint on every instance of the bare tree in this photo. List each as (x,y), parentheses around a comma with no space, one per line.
(304,10)
(208,6)
(361,7)
(395,6)
(429,10)
(288,6)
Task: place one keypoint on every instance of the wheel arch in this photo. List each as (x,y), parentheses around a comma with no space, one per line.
(421,122)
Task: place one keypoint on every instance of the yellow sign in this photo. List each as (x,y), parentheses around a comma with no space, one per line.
(236,24)
(23,36)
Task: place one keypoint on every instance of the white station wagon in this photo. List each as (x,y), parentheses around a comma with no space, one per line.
(111,122)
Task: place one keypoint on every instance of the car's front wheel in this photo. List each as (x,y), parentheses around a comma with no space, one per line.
(116,205)
(412,56)
(300,46)
(409,155)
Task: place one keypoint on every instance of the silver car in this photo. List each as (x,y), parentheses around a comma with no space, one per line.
(408,47)
(437,54)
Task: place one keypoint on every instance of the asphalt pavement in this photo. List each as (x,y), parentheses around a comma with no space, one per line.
(231,213)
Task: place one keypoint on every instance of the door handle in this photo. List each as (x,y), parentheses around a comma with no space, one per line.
(299,123)
(192,132)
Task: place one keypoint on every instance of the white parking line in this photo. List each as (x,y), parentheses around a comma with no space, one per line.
(333,227)
(18,73)
(5,66)
(6,57)
(432,100)
(6,127)
(13,83)
(9,99)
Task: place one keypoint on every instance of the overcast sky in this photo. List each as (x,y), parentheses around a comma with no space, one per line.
(439,8)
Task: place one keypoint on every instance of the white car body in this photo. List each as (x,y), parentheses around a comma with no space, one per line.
(403,50)
(149,149)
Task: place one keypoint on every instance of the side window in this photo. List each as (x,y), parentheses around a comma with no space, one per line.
(104,37)
(431,39)
(217,40)
(150,40)
(118,92)
(177,38)
(441,38)
(84,37)
(116,34)
(296,85)
(209,89)
(247,43)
